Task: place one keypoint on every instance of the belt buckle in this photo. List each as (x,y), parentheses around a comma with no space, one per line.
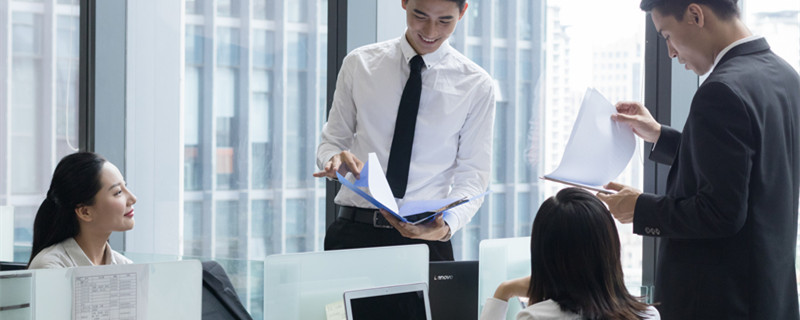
(378,221)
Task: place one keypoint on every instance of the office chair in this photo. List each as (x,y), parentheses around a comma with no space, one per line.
(11,266)
(219,298)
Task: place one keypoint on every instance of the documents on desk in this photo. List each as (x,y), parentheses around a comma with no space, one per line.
(598,148)
(110,292)
(380,194)
(335,311)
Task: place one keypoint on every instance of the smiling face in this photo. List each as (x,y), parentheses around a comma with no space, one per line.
(113,204)
(430,23)
(685,39)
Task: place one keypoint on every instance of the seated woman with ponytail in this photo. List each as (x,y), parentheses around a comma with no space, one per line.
(575,266)
(88,199)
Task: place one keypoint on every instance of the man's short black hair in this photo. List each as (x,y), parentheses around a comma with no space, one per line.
(460,3)
(724,9)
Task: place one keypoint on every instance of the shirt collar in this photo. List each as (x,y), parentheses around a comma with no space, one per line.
(79,257)
(731,46)
(431,59)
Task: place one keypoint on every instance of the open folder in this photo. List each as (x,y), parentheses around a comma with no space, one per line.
(380,194)
(598,148)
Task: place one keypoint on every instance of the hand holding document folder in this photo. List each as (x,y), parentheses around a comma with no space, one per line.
(598,148)
(380,194)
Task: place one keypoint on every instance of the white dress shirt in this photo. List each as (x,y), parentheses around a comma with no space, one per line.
(68,253)
(495,309)
(452,151)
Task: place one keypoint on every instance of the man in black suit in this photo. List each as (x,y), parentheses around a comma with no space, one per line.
(728,220)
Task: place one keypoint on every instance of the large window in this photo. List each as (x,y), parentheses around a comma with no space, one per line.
(543,55)
(779,22)
(38,104)
(254,96)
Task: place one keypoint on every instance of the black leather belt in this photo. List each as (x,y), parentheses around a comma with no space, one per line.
(366,216)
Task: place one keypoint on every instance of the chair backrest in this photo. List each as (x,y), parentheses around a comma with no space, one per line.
(220,300)
(11,266)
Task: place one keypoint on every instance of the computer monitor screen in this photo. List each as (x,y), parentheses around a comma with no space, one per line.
(405,302)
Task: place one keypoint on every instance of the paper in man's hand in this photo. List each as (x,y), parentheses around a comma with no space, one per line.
(598,148)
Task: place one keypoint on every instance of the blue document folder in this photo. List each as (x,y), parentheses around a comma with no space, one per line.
(373,179)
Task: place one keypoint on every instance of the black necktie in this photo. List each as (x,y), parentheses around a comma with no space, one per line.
(400,154)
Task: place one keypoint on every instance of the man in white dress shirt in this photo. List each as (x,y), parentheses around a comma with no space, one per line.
(450,142)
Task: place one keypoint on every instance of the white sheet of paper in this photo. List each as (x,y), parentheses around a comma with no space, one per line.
(378,186)
(380,194)
(335,311)
(110,292)
(598,148)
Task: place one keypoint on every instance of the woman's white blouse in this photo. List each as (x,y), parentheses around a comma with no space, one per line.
(545,310)
(68,253)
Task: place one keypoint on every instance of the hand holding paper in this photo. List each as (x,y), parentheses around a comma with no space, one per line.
(598,148)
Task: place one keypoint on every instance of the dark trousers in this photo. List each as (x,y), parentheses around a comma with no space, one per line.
(345,234)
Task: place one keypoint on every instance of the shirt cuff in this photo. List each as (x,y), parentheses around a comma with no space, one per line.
(452,221)
(494,309)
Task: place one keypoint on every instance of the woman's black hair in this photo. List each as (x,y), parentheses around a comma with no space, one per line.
(575,258)
(75,182)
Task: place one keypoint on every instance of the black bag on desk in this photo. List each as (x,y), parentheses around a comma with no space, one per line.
(219,298)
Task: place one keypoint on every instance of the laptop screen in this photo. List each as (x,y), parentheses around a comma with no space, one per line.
(401,306)
(388,303)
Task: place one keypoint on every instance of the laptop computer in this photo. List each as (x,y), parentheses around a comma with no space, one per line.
(403,302)
(454,289)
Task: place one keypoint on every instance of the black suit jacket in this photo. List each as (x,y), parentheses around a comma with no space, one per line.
(728,220)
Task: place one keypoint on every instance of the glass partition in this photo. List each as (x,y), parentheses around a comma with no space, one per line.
(300,286)
(247,276)
(49,292)
(500,260)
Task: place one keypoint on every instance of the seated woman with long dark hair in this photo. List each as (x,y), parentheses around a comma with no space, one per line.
(575,266)
(88,199)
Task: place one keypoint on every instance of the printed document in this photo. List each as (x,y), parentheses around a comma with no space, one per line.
(110,292)
(598,148)
(380,194)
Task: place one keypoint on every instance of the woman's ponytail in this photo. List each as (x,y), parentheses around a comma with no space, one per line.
(75,182)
